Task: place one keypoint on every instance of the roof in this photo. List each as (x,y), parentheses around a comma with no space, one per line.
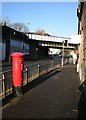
(7,31)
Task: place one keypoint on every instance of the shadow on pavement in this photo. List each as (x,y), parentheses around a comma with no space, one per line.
(39,80)
(31,85)
(82,102)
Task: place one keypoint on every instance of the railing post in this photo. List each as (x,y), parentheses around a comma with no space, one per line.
(47,65)
(38,69)
(4,86)
(26,69)
(52,64)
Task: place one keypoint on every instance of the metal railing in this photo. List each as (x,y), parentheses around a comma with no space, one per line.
(5,83)
(30,73)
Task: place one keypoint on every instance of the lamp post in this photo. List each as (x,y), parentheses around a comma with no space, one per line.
(23,38)
(23,43)
(62,62)
(11,35)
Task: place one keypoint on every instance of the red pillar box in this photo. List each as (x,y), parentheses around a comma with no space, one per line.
(17,69)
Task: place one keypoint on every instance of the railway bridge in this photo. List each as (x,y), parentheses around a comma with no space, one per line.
(34,46)
(42,44)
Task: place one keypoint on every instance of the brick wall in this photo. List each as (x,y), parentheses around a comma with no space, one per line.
(82,47)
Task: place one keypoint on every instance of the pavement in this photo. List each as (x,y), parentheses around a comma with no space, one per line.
(54,95)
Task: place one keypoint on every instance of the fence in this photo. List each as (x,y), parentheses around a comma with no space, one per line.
(30,73)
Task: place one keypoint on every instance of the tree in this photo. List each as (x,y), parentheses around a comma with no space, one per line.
(21,27)
(4,21)
(40,31)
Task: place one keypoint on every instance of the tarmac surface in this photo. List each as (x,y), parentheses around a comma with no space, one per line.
(54,95)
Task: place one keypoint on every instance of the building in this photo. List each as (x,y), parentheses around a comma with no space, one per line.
(81,66)
(13,41)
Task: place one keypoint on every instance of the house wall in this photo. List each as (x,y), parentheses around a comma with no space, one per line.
(13,41)
(82,46)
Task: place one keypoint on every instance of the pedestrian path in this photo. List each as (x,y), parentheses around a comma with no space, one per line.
(54,95)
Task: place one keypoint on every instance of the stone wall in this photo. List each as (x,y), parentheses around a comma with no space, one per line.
(82,47)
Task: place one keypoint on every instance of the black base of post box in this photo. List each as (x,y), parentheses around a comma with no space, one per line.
(18,91)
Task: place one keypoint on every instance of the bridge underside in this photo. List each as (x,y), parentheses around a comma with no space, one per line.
(58,45)
(40,49)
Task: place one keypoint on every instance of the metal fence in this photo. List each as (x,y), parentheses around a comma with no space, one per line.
(5,83)
(30,73)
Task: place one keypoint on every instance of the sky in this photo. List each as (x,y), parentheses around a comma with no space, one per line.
(56,18)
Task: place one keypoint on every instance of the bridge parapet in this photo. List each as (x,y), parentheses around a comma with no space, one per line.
(55,41)
(47,38)
(52,38)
